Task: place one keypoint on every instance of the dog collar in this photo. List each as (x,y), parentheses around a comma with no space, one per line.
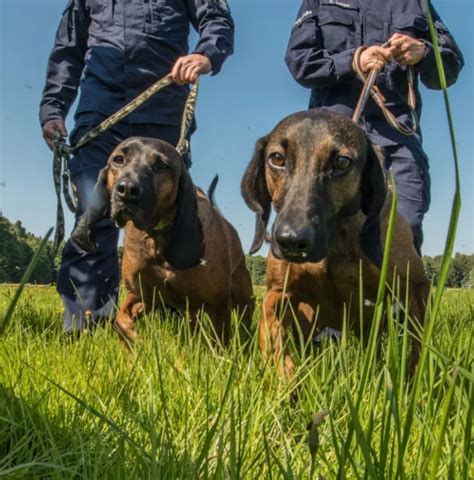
(164,223)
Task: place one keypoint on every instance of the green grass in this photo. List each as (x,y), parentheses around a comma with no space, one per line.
(182,408)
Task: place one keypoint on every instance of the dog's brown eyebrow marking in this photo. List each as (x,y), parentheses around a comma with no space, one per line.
(158,157)
(284,143)
(132,147)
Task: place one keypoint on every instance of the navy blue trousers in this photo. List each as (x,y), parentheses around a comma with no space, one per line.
(89,284)
(410,168)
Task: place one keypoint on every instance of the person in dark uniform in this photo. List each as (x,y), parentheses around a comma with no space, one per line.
(112,51)
(320,57)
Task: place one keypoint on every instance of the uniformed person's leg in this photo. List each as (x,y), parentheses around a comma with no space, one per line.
(88,284)
(409,165)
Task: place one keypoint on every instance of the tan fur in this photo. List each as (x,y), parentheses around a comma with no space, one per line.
(219,284)
(324,291)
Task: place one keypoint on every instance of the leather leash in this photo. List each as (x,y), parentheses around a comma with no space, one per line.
(370,89)
(63,151)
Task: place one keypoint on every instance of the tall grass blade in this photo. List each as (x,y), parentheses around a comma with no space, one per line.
(456,206)
(449,246)
(374,333)
(436,457)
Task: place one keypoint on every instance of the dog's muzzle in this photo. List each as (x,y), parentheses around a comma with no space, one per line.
(299,243)
(129,203)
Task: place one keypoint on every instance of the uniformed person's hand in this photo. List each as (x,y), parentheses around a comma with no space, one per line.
(50,128)
(188,68)
(374,58)
(406,50)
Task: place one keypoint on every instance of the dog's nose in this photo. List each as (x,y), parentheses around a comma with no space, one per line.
(294,241)
(128,190)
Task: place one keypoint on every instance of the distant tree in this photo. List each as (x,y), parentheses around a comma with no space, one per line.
(460,271)
(432,266)
(257,266)
(459,275)
(17,248)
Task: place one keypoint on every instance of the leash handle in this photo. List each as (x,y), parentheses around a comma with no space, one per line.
(62,184)
(59,143)
(370,89)
(188,117)
(364,96)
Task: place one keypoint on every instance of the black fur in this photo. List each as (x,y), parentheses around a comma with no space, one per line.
(373,195)
(99,208)
(185,247)
(212,190)
(255,192)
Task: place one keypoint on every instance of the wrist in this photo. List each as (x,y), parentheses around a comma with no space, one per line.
(428,58)
(205,55)
(214,56)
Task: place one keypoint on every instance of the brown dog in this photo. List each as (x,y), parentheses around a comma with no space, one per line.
(178,249)
(327,185)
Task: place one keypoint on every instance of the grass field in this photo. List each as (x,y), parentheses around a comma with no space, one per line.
(182,408)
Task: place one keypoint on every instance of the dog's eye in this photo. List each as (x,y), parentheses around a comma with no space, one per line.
(277,160)
(159,165)
(118,160)
(342,164)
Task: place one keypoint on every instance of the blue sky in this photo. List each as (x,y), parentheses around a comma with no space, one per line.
(253,92)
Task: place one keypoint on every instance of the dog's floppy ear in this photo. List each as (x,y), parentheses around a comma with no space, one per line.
(186,244)
(255,192)
(99,208)
(373,194)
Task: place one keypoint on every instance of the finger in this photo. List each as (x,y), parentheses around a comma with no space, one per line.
(379,66)
(195,72)
(395,37)
(386,54)
(382,53)
(396,42)
(48,140)
(393,50)
(401,60)
(401,37)
(61,128)
(176,68)
(186,72)
(180,74)
(382,58)
(49,134)
(375,65)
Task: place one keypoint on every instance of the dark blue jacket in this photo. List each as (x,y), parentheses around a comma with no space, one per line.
(114,49)
(325,37)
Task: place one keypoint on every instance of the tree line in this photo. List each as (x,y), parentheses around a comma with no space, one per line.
(17,247)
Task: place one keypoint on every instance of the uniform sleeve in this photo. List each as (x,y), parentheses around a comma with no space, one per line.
(213,21)
(66,63)
(310,64)
(453,60)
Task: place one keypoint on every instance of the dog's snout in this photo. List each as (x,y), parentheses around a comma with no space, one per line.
(294,241)
(128,190)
